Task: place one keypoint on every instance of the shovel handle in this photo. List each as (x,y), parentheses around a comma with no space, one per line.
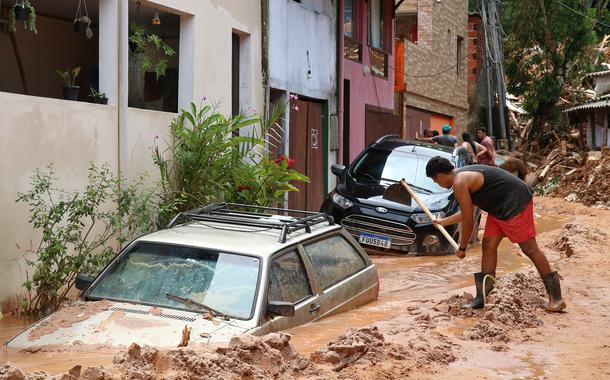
(429,214)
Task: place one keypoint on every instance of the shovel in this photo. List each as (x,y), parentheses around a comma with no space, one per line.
(401,193)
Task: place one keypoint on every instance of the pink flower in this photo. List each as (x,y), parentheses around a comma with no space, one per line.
(204,98)
(296,108)
(291,163)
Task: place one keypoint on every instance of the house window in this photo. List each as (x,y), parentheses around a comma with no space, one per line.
(153,58)
(30,61)
(377,35)
(352,45)
(475,41)
(377,38)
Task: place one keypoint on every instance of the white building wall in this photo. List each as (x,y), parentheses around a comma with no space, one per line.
(38,131)
(303,56)
(302,39)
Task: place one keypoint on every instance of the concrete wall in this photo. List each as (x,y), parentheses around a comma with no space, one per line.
(37,131)
(439,25)
(366,88)
(302,54)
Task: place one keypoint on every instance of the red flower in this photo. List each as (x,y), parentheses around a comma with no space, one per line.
(289,161)
(241,188)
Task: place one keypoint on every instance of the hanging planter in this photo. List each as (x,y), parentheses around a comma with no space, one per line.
(82,22)
(23,11)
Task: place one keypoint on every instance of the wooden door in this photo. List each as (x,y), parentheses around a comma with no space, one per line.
(379,122)
(307,148)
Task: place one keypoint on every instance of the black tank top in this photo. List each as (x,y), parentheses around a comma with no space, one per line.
(503,195)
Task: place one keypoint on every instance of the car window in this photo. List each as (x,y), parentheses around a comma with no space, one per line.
(334,259)
(148,272)
(393,165)
(287,279)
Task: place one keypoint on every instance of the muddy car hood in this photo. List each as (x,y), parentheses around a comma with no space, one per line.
(120,324)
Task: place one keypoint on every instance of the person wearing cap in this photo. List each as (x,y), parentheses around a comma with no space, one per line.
(444,139)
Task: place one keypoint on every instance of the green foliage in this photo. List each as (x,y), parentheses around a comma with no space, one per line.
(206,162)
(143,42)
(69,75)
(80,230)
(30,23)
(264,182)
(548,49)
(96,94)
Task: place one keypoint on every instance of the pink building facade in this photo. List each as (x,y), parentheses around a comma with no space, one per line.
(366,84)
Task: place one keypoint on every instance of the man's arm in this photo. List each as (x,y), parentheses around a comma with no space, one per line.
(453,219)
(428,139)
(462,194)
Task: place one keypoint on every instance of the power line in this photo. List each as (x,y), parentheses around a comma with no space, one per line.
(584,15)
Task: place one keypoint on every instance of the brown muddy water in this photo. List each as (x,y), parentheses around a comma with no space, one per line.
(402,280)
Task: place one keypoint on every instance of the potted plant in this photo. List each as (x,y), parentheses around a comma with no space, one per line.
(82,22)
(97,97)
(23,11)
(69,77)
(82,25)
(140,41)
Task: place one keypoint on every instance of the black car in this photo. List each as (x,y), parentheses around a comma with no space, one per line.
(358,204)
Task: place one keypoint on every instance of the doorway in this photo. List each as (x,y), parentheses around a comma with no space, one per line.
(306,142)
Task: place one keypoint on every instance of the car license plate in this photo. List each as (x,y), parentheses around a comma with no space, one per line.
(375,240)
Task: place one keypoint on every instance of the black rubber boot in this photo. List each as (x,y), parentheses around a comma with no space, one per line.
(479,300)
(553,289)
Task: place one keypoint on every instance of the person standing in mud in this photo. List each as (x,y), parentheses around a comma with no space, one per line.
(509,204)
(487,157)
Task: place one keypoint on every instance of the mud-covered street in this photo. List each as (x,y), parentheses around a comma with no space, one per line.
(417,327)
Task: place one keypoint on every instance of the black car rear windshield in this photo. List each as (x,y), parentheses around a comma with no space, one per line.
(377,165)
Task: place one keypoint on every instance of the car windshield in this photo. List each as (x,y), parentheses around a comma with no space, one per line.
(155,274)
(377,165)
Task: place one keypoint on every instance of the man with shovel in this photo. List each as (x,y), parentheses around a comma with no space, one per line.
(510,212)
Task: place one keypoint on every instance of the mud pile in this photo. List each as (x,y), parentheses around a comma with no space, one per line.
(68,315)
(358,349)
(246,357)
(575,238)
(590,184)
(512,305)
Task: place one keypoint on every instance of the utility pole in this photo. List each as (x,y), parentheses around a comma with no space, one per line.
(487,60)
(499,69)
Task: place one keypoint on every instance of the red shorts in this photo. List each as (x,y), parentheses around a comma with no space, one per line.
(518,228)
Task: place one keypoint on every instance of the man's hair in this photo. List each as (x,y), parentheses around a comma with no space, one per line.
(435,133)
(428,133)
(438,165)
(482,129)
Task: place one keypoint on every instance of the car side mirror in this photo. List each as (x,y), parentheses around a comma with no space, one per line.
(279,308)
(338,170)
(83,282)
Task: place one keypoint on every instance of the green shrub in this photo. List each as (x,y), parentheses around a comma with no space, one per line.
(80,230)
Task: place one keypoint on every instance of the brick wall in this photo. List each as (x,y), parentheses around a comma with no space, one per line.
(439,26)
(475,48)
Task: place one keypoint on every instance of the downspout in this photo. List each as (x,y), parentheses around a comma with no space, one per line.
(123,79)
(265,55)
(340,88)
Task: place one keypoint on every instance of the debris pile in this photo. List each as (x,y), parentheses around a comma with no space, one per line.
(575,238)
(510,306)
(246,356)
(365,347)
(589,184)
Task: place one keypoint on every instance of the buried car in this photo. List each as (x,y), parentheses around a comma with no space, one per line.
(216,272)
(358,203)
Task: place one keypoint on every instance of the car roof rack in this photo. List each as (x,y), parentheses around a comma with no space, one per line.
(255,216)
